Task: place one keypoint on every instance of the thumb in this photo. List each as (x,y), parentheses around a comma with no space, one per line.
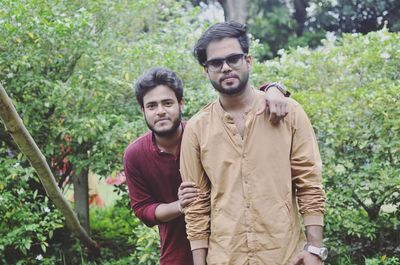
(261,111)
(296,260)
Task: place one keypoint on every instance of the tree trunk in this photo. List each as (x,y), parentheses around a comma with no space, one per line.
(300,15)
(80,181)
(235,10)
(28,147)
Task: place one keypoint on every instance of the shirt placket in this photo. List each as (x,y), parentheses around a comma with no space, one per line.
(247,191)
(230,124)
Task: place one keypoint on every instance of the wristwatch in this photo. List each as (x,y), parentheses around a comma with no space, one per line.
(322,253)
(278,85)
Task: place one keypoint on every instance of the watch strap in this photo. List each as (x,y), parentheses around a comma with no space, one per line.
(278,85)
(320,252)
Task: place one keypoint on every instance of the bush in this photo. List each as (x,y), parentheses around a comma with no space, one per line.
(28,220)
(123,238)
(350,89)
(383,261)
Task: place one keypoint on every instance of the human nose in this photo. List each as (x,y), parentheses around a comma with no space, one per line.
(225,67)
(160,110)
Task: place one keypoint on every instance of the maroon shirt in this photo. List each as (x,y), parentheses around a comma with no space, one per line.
(153,178)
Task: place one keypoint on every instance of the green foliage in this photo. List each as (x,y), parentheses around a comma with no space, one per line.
(27,219)
(356,16)
(124,239)
(272,23)
(287,24)
(350,89)
(383,261)
(69,67)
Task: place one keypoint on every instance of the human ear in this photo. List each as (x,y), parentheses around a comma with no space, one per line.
(249,59)
(182,105)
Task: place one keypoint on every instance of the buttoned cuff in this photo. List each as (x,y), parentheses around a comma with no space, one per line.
(313,220)
(197,244)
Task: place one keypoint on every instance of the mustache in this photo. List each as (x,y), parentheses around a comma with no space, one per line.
(163,119)
(228,76)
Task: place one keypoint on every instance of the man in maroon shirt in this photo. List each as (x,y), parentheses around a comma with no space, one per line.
(151,162)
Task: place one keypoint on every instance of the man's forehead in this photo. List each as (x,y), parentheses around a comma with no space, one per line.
(223,47)
(160,93)
(160,99)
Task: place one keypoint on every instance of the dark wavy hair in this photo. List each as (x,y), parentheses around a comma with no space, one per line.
(155,77)
(216,32)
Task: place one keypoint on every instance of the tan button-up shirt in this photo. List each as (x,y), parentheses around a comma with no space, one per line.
(254,187)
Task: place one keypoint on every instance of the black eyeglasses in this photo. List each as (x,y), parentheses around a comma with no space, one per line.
(234,61)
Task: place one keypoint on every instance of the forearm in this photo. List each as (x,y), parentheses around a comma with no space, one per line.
(199,256)
(197,214)
(166,212)
(314,235)
(306,168)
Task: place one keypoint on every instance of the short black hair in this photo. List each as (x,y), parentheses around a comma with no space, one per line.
(155,77)
(219,31)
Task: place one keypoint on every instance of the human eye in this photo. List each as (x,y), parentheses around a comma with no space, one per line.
(215,63)
(234,58)
(151,106)
(168,103)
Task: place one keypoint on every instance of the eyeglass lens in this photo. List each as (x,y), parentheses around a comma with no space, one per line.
(234,61)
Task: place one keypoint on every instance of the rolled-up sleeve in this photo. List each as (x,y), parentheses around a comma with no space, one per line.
(306,168)
(142,202)
(197,214)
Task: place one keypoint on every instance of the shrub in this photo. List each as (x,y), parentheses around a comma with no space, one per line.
(28,220)
(350,89)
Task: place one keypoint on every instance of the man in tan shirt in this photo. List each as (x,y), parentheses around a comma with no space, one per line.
(256,178)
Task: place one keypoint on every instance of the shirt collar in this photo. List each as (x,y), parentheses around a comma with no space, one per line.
(257,105)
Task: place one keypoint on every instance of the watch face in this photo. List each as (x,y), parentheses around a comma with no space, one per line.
(324,253)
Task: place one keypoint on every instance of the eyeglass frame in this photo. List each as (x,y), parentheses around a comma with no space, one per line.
(224,60)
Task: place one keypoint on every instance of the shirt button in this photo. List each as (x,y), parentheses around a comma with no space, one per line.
(248,205)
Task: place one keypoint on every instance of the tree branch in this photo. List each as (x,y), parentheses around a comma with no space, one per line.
(361,203)
(28,147)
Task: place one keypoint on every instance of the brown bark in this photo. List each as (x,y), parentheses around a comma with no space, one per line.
(300,15)
(235,10)
(81,197)
(28,147)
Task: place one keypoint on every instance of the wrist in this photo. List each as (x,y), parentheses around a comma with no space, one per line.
(180,209)
(320,252)
(265,87)
(314,234)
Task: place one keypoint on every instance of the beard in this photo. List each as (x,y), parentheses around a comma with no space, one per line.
(166,132)
(234,89)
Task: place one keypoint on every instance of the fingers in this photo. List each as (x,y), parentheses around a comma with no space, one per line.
(188,198)
(274,118)
(187,187)
(285,109)
(272,110)
(187,193)
(277,111)
(297,260)
(186,184)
